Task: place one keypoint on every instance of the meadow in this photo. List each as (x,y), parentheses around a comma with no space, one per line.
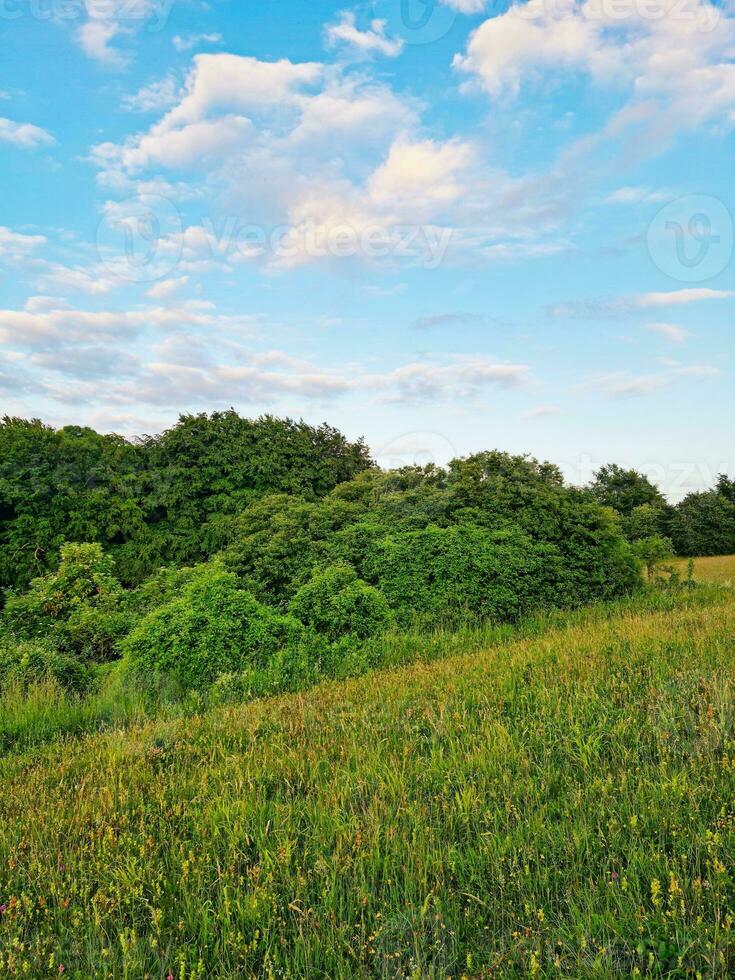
(555,805)
(714,568)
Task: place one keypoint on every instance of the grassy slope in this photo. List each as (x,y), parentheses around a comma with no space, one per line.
(559,806)
(720,568)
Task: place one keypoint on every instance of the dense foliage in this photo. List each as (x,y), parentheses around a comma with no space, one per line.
(268,552)
(163,499)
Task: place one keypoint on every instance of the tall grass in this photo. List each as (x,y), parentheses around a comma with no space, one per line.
(557,806)
(31,715)
(719,569)
(42,711)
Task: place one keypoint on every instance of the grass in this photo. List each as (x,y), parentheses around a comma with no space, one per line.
(44,712)
(556,806)
(718,569)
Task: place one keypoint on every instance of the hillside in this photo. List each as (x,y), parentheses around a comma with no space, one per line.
(558,806)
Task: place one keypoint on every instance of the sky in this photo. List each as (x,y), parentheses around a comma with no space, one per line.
(443,225)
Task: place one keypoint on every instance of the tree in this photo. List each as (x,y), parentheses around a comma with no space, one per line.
(652,551)
(70,484)
(337,603)
(166,499)
(214,627)
(726,487)
(624,490)
(78,607)
(704,524)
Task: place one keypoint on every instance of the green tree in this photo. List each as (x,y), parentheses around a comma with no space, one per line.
(652,551)
(78,607)
(337,603)
(726,487)
(704,524)
(214,627)
(625,490)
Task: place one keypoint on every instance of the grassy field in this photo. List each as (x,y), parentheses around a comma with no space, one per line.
(561,806)
(719,569)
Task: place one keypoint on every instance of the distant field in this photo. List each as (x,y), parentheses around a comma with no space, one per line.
(719,569)
(557,807)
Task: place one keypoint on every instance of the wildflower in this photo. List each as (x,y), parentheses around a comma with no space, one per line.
(61,968)
(3,907)
(614,876)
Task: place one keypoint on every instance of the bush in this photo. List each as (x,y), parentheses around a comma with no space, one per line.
(214,627)
(450,573)
(32,662)
(652,551)
(77,607)
(336,603)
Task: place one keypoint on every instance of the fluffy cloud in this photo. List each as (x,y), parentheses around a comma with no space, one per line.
(362,43)
(155,97)
(673,59)
(167,287)
(621,305)
(454,377)
(108,20)
(417,174)
(679,297)
(15,246)
(623,386)
(24,135)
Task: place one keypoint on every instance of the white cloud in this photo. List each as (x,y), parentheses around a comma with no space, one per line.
(621,305)
(167,287)
(191,41)
(669,331)
(680,297)
(93,280)
(24,135)
(540,412)
(672,60)
(113,18)
(95,36)
(466,6)
(637,195)
(462,376)
(347,108)
(621,385)
(419,173)
(16,246)
(154,97)
(618,387)
(229,83)
(362,43)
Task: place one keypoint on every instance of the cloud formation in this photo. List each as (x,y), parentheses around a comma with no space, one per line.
(26,136)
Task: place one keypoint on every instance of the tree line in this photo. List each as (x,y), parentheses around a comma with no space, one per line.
(267,553)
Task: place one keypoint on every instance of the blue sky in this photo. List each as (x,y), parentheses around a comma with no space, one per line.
(444,225)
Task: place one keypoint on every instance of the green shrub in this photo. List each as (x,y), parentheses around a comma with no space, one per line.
(32,662)
(77,607)
(449,573)
(651,551)
(214,627)
(336,603)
